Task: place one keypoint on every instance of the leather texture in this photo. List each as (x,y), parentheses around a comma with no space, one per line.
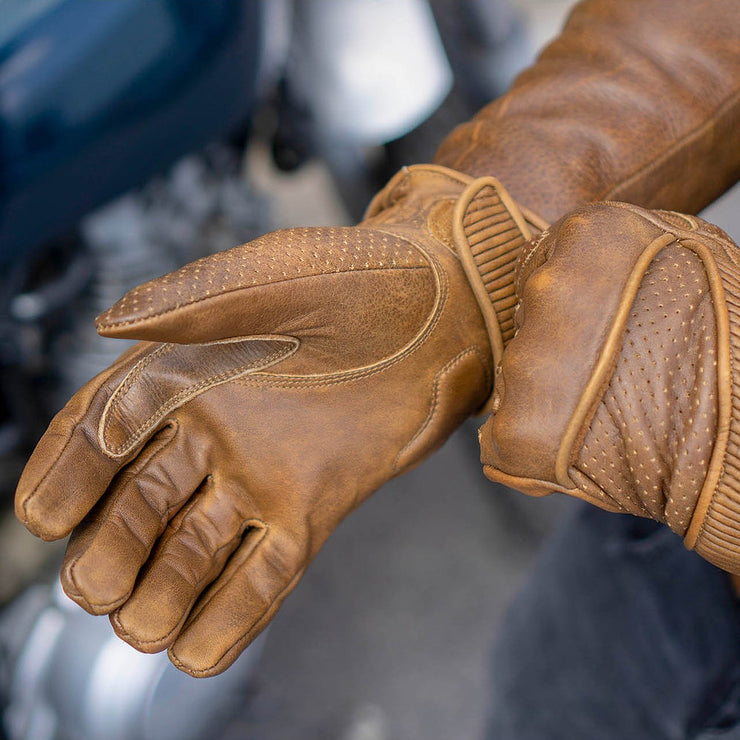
(277,386)
(636,100)
(621,385)
(281,383)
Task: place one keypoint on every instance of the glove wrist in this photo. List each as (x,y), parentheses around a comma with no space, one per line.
(478,220)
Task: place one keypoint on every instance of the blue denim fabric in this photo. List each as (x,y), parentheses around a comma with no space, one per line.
(620,634)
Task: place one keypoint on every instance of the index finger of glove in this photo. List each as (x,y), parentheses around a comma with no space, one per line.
(68,472)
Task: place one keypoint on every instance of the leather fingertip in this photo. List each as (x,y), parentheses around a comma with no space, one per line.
(120,322)
(128,633)
(36,520)
(119,330)
(71,590)
(73,583)
(30,509)
(194,663)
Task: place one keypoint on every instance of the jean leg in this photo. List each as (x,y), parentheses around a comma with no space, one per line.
(619,634)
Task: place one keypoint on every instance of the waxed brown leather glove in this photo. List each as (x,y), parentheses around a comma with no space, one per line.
(639,98)
(281,383)
(621,385)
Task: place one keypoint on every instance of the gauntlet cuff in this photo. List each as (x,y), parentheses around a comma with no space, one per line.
(482,223)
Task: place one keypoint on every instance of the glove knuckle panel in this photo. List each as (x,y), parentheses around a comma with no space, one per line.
(561,341)
(643,447)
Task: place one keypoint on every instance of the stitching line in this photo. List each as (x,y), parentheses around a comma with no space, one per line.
(475,350)
(345,376)
(297,381)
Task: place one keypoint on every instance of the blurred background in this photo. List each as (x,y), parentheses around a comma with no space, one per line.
(137,135)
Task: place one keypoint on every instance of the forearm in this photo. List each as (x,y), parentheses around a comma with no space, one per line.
(636,100)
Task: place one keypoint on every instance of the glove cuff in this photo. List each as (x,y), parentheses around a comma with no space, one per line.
(481,221)
(490,230)
(714,531)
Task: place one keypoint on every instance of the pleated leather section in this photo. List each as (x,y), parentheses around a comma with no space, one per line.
(719,538)
(495,233)
(489,232)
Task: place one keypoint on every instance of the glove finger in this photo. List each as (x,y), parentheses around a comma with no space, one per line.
(191,553)
(318,287)
(69,451)
(239,604)
(106,551)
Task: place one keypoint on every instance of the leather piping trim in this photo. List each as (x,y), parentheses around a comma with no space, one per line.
(386,197)
(441,283)
(531,217)
(605,362)
(531,486)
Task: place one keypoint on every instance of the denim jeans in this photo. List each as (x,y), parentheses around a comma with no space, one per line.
(620,634)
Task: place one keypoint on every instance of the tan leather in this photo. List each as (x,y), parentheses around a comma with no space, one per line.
(620,386)
(279,384)
(636,100)
(226,458)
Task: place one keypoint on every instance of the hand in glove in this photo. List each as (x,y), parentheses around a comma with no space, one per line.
(621,384)
(229,462)
(279,384)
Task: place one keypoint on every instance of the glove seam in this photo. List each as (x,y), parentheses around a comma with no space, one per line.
(439,375)
(174,402)
(708,495)
(604,362)
(389,196)
(345,376)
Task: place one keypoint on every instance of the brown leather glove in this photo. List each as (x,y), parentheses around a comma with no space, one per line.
(621,385)
(389,360)
(282,382)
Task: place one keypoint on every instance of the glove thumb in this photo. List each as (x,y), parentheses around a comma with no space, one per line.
(331,288)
